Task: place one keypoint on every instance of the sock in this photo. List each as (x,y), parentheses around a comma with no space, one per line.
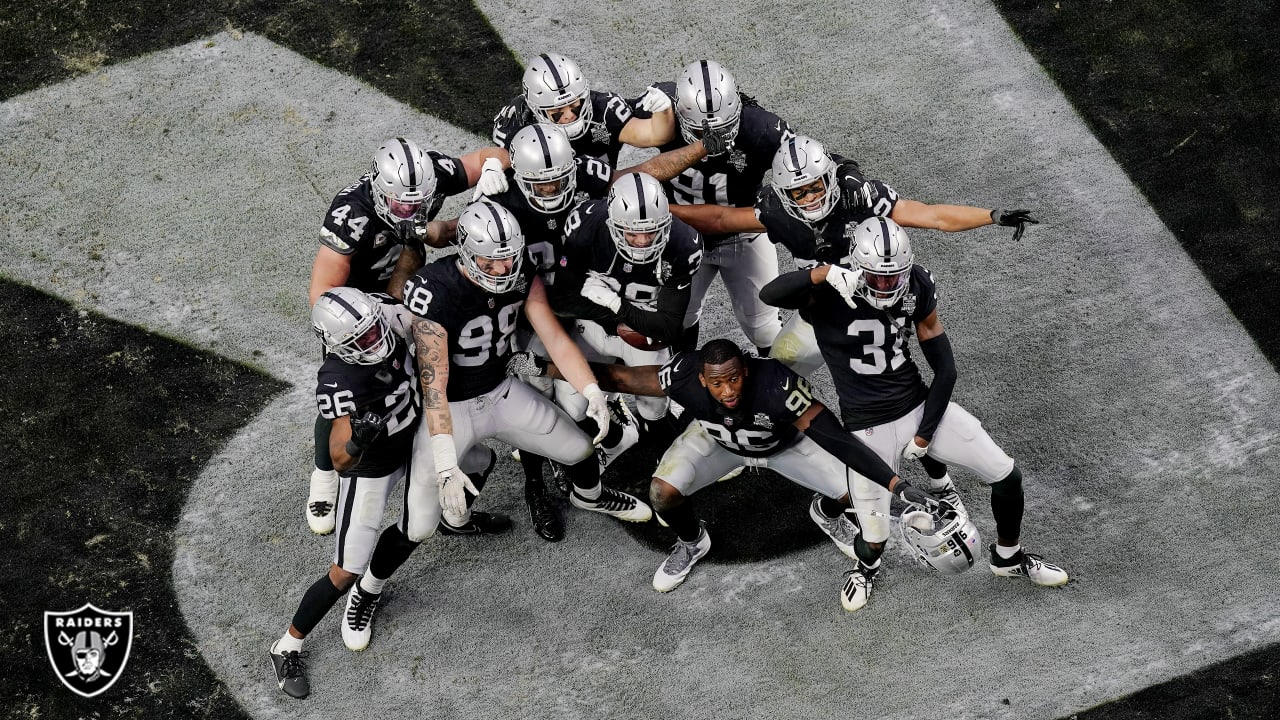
(1007,504)
(763,350)
(1006,553)
(287,643)
(664,430)
(323,460)
(316,602)
(585,476)
(371,584)
(589,493)
(935,468)
(392,550)
(940,482)
(831,508)
(867,555)
(681,519)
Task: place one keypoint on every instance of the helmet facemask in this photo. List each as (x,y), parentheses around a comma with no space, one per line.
(802,164)
(351,326)
(639,213)
(950,548)
(882,250)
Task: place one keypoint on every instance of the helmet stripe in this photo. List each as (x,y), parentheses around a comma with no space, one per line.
(795,158)
(640,195)
(345,305)
(706,84)
(555,75)
(497,220)
(546,149)
(413,176)
(884,233)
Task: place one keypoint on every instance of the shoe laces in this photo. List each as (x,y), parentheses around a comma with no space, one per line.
(613,500)
(293,666)
(681,555)
(361,610)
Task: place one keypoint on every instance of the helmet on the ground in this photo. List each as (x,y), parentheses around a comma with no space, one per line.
(542,160)
(489,235)
(351,326)
(950,548)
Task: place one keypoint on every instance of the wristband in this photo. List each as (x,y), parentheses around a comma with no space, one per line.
(443,452)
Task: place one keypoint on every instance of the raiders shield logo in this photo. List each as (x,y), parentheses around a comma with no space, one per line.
(762,420)
(88,647)
(599,133)
(909,304)
(738,159)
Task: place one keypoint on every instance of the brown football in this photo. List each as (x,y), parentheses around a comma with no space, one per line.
(638,341)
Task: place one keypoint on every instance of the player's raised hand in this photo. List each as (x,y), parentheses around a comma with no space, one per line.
(654,100)
(715,140)
(493,179)
(364,431)
(846,282)
(1019,219)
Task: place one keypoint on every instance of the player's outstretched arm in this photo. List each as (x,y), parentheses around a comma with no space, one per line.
(718,219)
(331,269)
(473,162)
(793,290)
(822,426)
(957,218)
(667,165)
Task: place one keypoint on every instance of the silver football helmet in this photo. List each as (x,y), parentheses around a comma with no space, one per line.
(542,159)
(802,170)
(490,241)
(351,326)
(950,548)
(553,82)
(705,91)
(403,179)
(639,217)
(882,249)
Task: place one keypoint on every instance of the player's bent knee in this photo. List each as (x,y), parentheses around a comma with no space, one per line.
(663,495)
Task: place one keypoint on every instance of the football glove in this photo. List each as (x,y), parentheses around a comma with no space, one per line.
(846,282)
(598,290)
(655,101)
(364,431)
(918,499)
(598,410)
(913,451)
(1019,219)
(454,485)
(493,179)
(526,364)
(715,142)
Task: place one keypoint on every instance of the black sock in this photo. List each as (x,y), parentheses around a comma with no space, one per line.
(611,438)
(681,519)
(935,468)
(584,474)
(316,602)
(1007,503)
(392,550)
(323,460)
(478,479)
(831,508)
(866,554)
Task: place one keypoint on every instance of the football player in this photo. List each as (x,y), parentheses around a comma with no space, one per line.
(547,179)
(707,95)
(862,312)
(465,308)
(625,279)
(367,389)
(598,123)
(749,411)
(811,199)
(369,225)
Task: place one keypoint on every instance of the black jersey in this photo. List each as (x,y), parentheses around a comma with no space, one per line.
(867,350)
(390,389)
(609,114)
(825,241)
(773,398)
(543,231)
(589,247)
(354,228)
(479,323)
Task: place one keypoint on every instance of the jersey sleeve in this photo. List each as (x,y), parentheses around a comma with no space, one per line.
(334,395)
(451,176)
(345,224)
(886,199)
(613,111)
(420,296)
(508,121)
(926,293)
(594,176)
(685,255)
(674,376)
(790,395)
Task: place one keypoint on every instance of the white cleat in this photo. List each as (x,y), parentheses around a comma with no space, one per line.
(357,621)
(322,501)
(683,557)
(1028,565)
(857,587)
(623,506)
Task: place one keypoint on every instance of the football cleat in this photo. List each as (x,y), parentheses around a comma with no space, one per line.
(322,501)
(1027,565)
(545,519)
(944,489)
(841,530)
(683,556)
(480,523)
(616,503)
(857,586)
(357,621)
(732,473)
(621,415)
(291,672)
(560,477)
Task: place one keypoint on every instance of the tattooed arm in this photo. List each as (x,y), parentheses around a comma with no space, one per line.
(433,372)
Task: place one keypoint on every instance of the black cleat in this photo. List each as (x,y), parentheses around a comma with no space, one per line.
(546,521)
(481,523)
(291,672)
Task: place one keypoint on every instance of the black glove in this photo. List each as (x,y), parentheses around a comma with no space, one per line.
(364,430)
(912,495)
(526,364)
(716,142)
(1019,219)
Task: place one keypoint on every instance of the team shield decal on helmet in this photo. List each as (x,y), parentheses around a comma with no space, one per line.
(88,647)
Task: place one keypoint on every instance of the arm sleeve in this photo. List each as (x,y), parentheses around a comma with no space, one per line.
(790,291)
(825,430)
(937,350)
(666,322)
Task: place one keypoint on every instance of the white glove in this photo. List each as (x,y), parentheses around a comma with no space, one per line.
(453,486)
(598,290)
(846,282)
(913,451)
(597,409)
(493,179)
(655,101)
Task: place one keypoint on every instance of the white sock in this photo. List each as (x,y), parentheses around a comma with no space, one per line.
(1007,552)
(287,643)
(591,494)
(371,584)
(939,483)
